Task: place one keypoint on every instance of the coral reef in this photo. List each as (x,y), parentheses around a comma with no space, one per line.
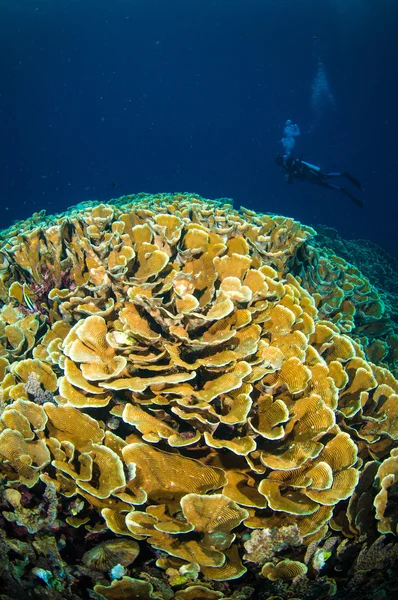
(189,408)
(374,324)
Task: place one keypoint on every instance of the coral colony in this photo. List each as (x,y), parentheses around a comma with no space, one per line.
(193,405)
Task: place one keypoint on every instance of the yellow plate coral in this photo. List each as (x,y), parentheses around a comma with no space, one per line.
(165,371)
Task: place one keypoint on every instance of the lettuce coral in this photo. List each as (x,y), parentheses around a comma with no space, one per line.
(184,375)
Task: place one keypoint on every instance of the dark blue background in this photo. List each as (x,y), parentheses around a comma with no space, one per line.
(192,95)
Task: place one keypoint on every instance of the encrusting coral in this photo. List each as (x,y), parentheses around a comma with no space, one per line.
(185,380)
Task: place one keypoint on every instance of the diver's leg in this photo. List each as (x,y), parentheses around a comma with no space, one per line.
(351,197)
(326,184)
(348,176)
(352,179)
(329,175)
(337,188)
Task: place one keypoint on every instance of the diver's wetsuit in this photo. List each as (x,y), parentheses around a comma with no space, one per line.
(299,169)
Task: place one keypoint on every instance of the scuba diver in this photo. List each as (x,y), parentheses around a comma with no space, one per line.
(295,168)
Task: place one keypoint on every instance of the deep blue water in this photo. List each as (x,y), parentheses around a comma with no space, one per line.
(103,98)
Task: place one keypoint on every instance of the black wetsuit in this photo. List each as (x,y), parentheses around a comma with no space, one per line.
(299,169)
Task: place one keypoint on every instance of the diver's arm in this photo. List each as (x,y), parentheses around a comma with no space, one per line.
(289,177)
